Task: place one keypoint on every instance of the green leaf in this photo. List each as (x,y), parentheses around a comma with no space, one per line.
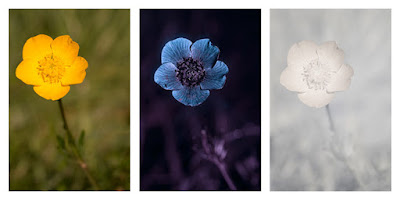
(61,142)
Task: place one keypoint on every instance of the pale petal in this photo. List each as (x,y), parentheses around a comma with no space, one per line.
(292,79)
(302,53)
(330,55)
(341,80)
(316,98)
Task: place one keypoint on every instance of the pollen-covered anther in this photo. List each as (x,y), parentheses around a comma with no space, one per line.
(51,69)
(317,75)
(190,72)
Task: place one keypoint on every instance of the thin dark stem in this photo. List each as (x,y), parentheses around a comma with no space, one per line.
(215,159)
(332,126)
(74,149)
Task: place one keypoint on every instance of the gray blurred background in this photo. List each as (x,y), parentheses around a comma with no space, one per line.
(305,154)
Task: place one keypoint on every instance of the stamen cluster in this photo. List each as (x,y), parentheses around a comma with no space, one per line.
(316,75)
(51,69)
(190,72)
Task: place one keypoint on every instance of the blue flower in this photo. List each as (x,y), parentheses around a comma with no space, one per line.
(190,70)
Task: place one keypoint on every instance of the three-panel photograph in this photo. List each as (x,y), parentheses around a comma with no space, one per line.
(170,102)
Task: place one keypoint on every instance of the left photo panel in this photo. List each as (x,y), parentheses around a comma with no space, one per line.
(69,99)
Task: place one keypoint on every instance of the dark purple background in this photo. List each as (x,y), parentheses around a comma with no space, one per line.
(170,132)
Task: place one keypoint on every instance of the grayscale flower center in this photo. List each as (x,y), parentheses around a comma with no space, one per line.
(190,72)
(317,75)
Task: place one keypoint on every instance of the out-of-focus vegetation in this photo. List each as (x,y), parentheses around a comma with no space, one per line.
(99,106)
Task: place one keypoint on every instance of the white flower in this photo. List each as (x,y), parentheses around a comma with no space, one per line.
(316,72)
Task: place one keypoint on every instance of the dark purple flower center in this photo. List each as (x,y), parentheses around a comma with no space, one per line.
(190,72)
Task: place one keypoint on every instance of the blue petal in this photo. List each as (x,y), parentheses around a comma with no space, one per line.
(204,51)
(193,96)
(165,76)
(215,77)
(176,50)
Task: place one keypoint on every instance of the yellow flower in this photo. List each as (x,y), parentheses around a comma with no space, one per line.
(51,65)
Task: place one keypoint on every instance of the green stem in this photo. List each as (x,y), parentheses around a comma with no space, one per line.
(74,149)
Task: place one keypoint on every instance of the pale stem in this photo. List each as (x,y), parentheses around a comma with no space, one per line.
(332,126)
(74,149)
(339,157)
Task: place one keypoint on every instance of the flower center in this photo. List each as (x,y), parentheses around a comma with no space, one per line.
(51,69)
(190,72)
(316,75)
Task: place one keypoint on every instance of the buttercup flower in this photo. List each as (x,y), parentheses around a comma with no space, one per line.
(51,65)
(316,72)
(190,70)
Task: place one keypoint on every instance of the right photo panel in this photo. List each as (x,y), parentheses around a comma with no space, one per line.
(330,100)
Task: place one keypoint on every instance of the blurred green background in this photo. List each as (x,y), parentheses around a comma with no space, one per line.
(99,106)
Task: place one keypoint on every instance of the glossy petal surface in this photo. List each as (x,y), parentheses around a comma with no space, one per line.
(65,48)
(37,47)
(51,65)
(215,77)
(27,72)
(205,52)
(165,76)
(75,74)
(52,91)
(176,50)
(191,96)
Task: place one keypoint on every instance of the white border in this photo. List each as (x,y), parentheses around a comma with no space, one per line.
(134,6)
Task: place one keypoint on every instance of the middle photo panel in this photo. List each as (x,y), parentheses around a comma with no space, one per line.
(200,99)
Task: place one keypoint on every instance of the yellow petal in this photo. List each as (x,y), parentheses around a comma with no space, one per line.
(37,47)
(51,91)
(76,72)
(65,48)
(27,72)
